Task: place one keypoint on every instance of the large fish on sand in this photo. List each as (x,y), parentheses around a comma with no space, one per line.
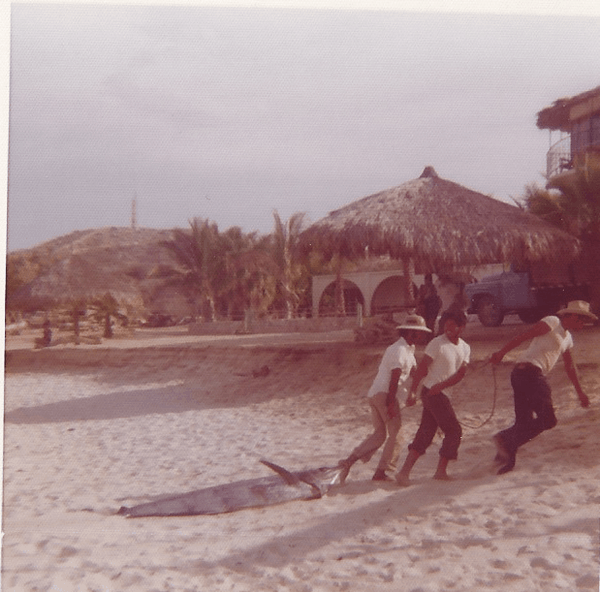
(251,493)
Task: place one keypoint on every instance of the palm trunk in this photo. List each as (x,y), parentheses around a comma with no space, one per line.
(108,331)
(409,274)
(340,301)
(76,326)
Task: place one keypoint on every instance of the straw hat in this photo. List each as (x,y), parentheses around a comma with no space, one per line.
(580,308)
(414,323)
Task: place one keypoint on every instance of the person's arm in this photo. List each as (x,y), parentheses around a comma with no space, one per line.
(419,375)
(392,390)
(540,328)
(571,370)
(450,381)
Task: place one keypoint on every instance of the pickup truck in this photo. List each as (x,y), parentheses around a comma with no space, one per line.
(531,294)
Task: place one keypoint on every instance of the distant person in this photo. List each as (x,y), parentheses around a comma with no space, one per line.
(534,412)
(428,302)
(46,339)
(394,370)
(47,333)
(460,303)
(443,365)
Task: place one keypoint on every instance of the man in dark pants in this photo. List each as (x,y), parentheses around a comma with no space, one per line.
(443,366)
(429,302)
(534,413)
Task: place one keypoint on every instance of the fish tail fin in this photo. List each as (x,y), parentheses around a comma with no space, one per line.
(322,483)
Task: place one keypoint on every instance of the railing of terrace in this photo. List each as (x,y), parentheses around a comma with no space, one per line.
(558,158)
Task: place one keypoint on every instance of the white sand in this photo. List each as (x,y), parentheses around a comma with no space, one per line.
(90,429)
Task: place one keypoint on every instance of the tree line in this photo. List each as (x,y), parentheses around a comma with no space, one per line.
(224,274)
(221,274)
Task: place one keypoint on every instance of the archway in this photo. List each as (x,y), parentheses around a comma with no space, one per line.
(389,295)
(352,298)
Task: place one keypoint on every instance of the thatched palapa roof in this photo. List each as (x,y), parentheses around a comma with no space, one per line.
(78,278)
(85,265)
(561,114)
(438,224)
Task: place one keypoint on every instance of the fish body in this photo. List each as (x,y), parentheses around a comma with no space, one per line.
(283,487)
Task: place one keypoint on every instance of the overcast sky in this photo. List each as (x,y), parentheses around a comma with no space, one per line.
(231,113)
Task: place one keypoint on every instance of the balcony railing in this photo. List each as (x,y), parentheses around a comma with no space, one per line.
(558,158)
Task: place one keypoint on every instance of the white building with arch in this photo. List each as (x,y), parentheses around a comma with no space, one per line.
(377,291)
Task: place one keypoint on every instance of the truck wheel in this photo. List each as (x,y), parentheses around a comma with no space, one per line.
(489,314)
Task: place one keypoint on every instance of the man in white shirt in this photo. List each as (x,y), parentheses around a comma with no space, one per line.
(443,365)
(394,370)
(534,413)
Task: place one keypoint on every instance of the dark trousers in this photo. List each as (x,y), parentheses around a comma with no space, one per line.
(534,412)
(437,413)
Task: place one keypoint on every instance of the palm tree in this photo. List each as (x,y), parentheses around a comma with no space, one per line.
(572,202)
(231,293)
(105,307)
(250,270)
(200,259)
(579,197)
(245,263)
(286,256)
(337,265)
(76,309)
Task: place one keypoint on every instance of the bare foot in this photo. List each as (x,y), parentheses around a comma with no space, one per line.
(381,476)
(442,477)
(502,454)
(402,480)
(509,466)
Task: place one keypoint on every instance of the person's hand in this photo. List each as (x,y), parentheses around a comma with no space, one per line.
(496,357)
(434,390)
(583,399)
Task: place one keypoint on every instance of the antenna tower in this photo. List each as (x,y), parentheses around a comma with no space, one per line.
(134,212)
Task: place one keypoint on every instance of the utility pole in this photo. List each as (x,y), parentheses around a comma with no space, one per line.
(134,212)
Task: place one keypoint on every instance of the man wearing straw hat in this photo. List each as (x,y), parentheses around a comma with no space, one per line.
(534,413)
(394,370)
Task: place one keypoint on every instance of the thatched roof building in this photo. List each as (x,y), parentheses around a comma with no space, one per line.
(86,265)
(563,112)
(77,277)
(438,224)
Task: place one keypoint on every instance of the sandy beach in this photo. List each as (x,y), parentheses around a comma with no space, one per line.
(91,428)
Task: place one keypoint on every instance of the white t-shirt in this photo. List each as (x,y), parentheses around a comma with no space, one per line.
(398,355)
(446,359)
(544,351)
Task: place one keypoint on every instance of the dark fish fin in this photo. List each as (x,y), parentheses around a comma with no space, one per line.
(289,478)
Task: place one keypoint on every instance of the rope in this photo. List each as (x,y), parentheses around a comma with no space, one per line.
(494,398)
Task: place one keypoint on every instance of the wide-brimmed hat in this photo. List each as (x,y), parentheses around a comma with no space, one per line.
(580,308)
(414,322)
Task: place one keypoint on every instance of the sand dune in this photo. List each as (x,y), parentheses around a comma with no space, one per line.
(90,429)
